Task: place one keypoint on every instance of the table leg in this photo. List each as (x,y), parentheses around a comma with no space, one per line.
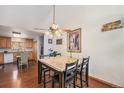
(61,80)
(18,63)
(39,72)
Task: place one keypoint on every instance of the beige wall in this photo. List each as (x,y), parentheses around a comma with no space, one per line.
(105,48)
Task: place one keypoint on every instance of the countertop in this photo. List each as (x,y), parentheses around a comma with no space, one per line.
(13,50)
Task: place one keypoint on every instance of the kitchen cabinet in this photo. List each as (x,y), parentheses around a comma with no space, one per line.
(2,42)
(15,56)
(5,42)
(34,51)
(30,56)
(8,42)
(1,58)
(29,43)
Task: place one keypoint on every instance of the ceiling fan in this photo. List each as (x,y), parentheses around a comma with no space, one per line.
(54,28)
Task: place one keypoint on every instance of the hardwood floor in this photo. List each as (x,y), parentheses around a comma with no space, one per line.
(10,77)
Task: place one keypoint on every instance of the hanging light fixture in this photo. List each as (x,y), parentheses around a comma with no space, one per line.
(54,28)
(16,34)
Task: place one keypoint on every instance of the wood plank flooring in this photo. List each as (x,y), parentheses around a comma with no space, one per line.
(10,77)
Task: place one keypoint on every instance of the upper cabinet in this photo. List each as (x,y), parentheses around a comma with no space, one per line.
(5,42)
(2,42)
(8,42)
(29,43)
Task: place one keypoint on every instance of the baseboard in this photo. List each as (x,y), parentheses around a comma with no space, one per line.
(105,82)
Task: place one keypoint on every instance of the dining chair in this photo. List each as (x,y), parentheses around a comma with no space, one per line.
(69,75)
(23,59)
(45,70)
(82,71)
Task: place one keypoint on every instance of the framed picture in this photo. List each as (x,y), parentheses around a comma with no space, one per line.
(74,41)
(49,41)
(59,41)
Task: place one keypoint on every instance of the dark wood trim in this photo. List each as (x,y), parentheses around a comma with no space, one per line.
(105,82)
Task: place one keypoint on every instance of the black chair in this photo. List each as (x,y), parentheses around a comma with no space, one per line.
(69,75)
(45,70)
(82,71)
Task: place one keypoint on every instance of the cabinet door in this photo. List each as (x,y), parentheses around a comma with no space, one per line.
(8,42)
(29,43)
(14,56)
(2,42)
(1,58)
(30,56)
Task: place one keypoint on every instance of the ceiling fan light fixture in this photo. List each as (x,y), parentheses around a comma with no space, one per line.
(58,33)
(54,27)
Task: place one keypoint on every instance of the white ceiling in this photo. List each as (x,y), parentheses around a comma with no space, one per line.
(27,17)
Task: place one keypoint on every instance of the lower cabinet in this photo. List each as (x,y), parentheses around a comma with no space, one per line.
(15,56)
(30,56)
(1,58)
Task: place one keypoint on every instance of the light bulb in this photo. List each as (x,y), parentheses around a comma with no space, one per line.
(54,26)
(57,33)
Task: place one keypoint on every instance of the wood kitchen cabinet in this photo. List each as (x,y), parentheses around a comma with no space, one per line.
(2,42)
(1,58)
(8,42)
(29,43)
(30,56)
(15,56)
(5,42)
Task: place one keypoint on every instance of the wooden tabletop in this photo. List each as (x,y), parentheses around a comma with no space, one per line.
(57,63)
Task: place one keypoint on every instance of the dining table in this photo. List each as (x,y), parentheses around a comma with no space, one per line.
(56,64)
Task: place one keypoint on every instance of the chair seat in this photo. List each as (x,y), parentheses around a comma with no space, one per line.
(56,77)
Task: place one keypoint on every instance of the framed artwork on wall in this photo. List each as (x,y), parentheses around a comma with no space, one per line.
(50,41)
(74,41)
(58,41)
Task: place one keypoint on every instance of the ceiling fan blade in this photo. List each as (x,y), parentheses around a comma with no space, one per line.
(40,29)
(66,30)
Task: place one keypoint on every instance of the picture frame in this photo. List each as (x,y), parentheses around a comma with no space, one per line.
(74,41)
(50,41)
(58,41)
